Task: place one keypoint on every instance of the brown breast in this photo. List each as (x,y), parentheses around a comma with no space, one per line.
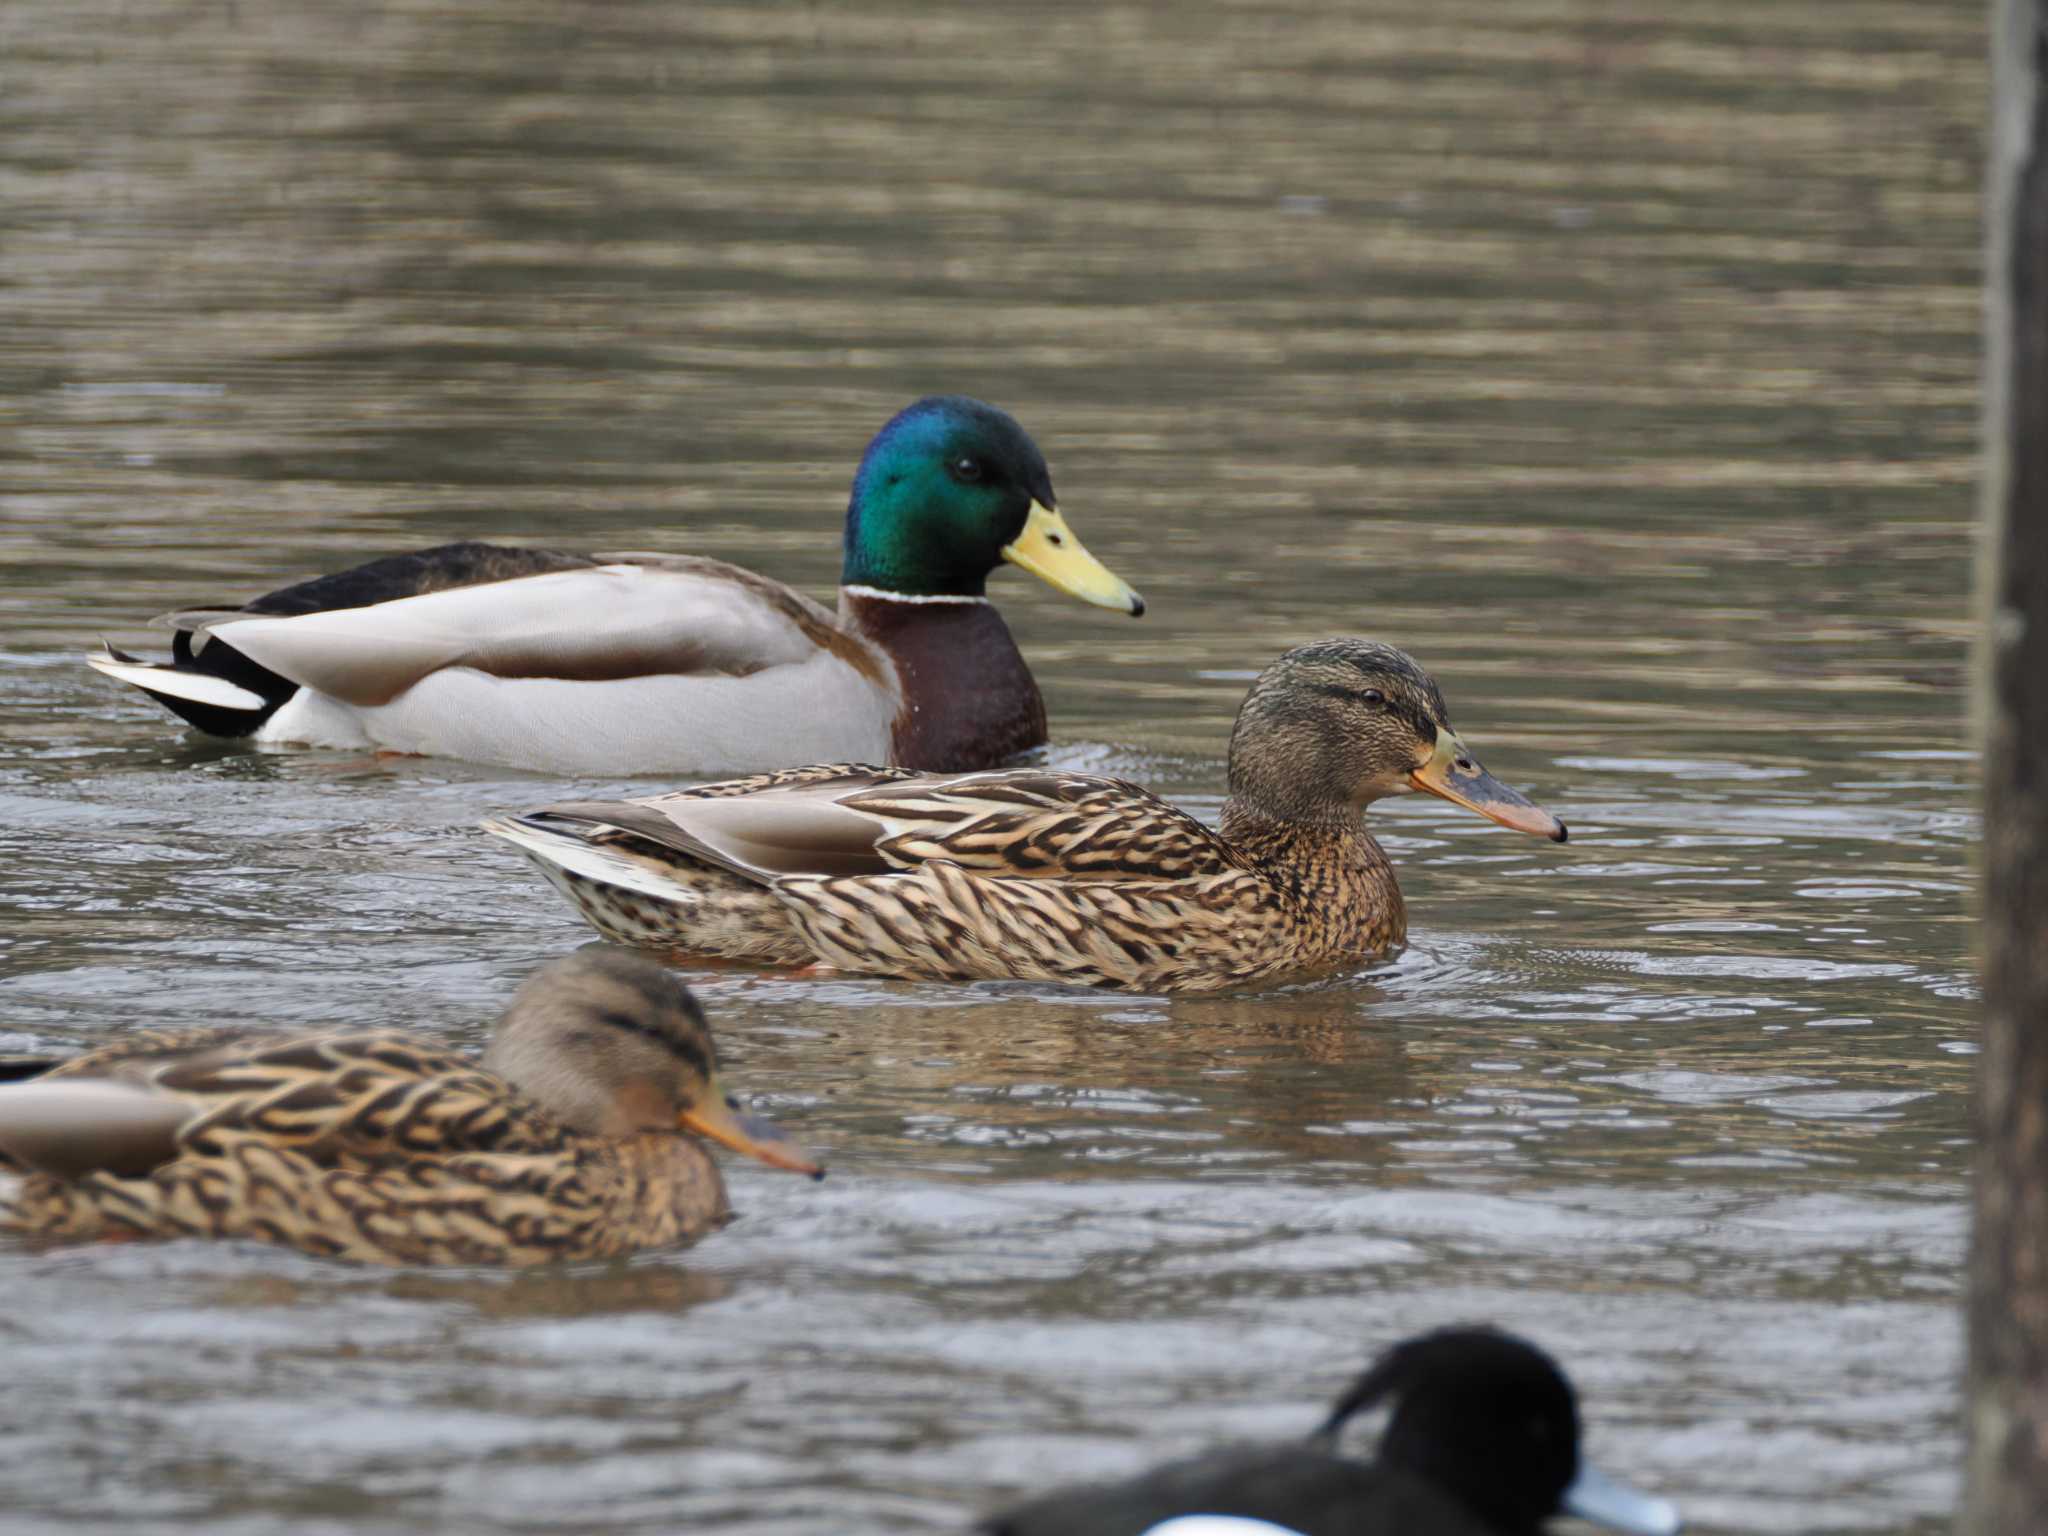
(1336,880)
(968,699)
(663,1189)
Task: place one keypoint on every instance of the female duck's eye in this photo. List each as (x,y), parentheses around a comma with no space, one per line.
(1373,696)
(966,469)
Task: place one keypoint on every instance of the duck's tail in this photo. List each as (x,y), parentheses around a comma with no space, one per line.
(211,685)
(19,1069)
(634,891)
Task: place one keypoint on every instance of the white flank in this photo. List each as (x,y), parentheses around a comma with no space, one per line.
(562,623)
(568,852)
(819,710)
(199,687)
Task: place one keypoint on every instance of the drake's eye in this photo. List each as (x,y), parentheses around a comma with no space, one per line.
(1374,697)
(965,469)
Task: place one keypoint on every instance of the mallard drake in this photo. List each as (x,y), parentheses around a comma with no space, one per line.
(573,1138)
(1047,875)
(636,663)
(1483,1441)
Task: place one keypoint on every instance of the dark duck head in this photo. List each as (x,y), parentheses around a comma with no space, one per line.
(950,489)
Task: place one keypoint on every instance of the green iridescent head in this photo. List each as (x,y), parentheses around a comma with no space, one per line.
(950,489)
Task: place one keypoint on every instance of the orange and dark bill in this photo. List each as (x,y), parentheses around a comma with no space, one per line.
(718,1118)
(1455,774)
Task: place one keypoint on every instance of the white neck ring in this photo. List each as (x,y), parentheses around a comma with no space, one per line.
(855,589)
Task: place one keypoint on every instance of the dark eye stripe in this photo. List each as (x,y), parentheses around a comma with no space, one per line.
(1416,720)
(687,1051)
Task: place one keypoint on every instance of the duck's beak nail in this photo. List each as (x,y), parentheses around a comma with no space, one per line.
(1048,549)
(1455,774)
(758,1138)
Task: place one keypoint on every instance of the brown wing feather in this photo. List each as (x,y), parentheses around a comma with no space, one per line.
(853,775)
(760,827)
(848,820)
(1043,826)
(344,1098)
(356,1097)
(135,1053)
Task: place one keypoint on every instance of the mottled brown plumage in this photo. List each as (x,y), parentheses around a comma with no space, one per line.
(1046,875)
(570,1139)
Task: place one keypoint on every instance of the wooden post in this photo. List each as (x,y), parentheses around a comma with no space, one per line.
(2007,1421)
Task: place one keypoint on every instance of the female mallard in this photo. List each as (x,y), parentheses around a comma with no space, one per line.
(1047,875)
(573,1138)
(617,664)
(1483,1441)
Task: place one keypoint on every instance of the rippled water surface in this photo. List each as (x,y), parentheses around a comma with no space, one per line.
(1617,359)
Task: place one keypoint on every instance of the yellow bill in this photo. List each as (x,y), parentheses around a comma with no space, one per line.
(1048,549)
(717,1119)
(1455,774)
